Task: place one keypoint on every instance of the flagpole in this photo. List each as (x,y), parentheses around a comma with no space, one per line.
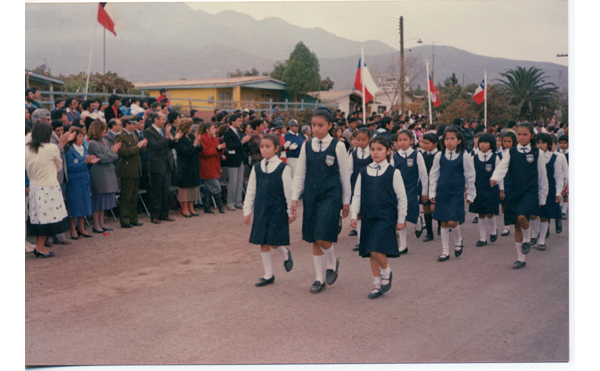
(429,94)
(362,82)
(87,82)
(485,99)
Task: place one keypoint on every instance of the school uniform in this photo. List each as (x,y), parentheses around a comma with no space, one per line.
(428,157)
(566,153)
(488,197)
(322,172)
(551,209)
(450,173)
(528,186)
(380,198)
(293,143)
(414,175)
(269,193)
(357,160)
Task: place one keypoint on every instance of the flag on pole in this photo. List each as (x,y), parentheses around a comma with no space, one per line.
(370,86)
(434,94)
(479,94)
(107,16)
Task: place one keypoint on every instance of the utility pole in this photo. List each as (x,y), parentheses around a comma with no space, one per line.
(402,78)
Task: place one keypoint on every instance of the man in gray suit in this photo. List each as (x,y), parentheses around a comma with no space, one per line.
(114,128)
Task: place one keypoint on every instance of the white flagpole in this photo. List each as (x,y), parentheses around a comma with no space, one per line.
(87,82)
(429,94)
(362,81)
(485,99)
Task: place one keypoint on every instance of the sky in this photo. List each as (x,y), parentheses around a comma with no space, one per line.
(521,30)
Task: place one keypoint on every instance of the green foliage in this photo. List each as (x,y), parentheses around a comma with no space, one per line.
(278,69)
(98,83)
(326,84)
(451,81)
(528,90)
(301,73)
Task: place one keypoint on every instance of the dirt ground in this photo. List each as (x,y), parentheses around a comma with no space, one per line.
(183,293)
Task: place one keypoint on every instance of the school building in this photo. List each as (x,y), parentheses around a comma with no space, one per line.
(229,93)
(349,100)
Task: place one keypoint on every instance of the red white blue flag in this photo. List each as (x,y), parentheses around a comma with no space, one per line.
(107,16)
(479,94)
(433,93)
(370,86)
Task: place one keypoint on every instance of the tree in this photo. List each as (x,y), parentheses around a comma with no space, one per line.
(414,70)
(278,69)
(301,73)
(326,84)
(528,90)
(98,83)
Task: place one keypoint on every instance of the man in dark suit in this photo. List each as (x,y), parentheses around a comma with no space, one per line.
(234,140)
(160,166)
(129,171)
(112,111)
(114,128)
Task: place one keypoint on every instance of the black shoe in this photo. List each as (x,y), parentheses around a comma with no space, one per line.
(264,282)
(194,214)
(405,251)
(331,275)
(533,241)
(288,264)
(541,247)
(458,252)
(564,216)
(107,229)
(386,288)
(86,235)
(137,224)
(525,247)
(186,215)
(127,226)
(356,247)
(317,287)
(239,207)
(97,231)
(353,233)
(518,265)
(548,232)
(476,220)
(428,237)
(375,293)
(494,237)
(481,243)
(559,226)
(39,253)
(443,258)
(74,238)
(505,232)
(208,210)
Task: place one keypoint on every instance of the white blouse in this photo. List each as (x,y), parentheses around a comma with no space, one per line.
(286,177)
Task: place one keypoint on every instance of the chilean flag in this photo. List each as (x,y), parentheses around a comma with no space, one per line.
(107,16)
(370,86)
(479,94)
(433,93)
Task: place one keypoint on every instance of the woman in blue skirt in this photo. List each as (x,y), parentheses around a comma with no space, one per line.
(269,193)
(380,197)
(451,171)
(322,173)
(79,196)
(528,187)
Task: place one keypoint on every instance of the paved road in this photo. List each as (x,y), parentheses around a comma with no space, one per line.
(183,293)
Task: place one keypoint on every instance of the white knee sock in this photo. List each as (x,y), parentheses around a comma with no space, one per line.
(492,223)
(377,282)
(266,259)
(535,228)
(457,235)
(319,261)
(385,273)
(565,207)
(330,257)
(482,229)
(284,252)
(358,224)
(445,233)
(402,234)
(526,235)
(520,256)
(543,230)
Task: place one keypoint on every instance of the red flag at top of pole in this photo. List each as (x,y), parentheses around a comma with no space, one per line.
(370,86)
(434,93)
(107,16)
(479,94)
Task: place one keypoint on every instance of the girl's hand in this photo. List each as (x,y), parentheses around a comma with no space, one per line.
(345,211)
(26,191)
(565,190)
(291,219)
(558,199)
(247,219)
(400,226)
(502,195)
(424,198)
(293,209)
(115,147)
(493,182)
(432,199)
(354,223)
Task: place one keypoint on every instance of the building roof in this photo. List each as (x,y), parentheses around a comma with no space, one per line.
(41,78)
(257,82)
(333,95)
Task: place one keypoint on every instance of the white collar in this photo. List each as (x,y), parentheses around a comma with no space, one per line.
(158,129)
(325,140)
(527,147)
(408,151)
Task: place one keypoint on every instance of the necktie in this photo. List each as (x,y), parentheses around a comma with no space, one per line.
(161,133)
(450,155)
(523,149)
(320,149)
(484,158)
(378,168)
(266,165)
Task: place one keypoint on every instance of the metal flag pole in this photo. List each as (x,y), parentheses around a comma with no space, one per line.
(429,94)
(485,99)
(87,82)
(362,81)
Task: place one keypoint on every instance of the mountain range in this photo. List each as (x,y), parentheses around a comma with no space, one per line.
(170,41)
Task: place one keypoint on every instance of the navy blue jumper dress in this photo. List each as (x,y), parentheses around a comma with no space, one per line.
(379,211)
(410,175)
(322,198)
(551,209)
(522,192)
(450,191)
(271,223)
(357,165)
(488,197)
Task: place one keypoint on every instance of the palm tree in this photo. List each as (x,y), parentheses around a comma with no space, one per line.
(527,90)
